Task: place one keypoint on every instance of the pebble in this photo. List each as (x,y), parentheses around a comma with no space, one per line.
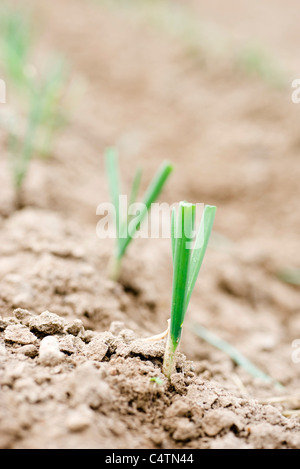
(75,327)
(23,315)
(2,351)
(79,419)
(49,353)
(19,334)
(47,323)
(97,349)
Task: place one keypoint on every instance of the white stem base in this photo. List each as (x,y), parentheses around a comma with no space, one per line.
(169,358)
(114,269)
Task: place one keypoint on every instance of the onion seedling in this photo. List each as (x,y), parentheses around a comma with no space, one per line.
(187,261)
(15,44)
(126,226)
(44,118)
(31,128)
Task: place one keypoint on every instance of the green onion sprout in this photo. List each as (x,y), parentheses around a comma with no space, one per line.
(127,226)
(32,127)
(187,261)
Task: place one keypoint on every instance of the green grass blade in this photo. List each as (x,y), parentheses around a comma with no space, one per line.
(182,256)
(23,149)
(236,356)
(173,232)
(151,195)
(15,43)
(182,230)
(157,184)
(289,275)
(201,243)
(135,187)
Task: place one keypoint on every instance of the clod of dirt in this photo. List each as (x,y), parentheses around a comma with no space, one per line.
(19,334)
(107,389)
(47,323)
(50,353)
(218,420)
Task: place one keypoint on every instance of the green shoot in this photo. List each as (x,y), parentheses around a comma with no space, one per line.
(15,44)
(156,380)
(235,355)
(44,118)
(254,61)
(290,276)
(33,125)
(22,151)
(126,226)
(47,94)
(187,262)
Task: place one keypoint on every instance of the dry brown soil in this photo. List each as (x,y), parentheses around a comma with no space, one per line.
(74,370)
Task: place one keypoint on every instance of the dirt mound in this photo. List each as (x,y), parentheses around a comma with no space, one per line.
(63,383)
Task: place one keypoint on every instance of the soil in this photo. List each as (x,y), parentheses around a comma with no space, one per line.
(75,368)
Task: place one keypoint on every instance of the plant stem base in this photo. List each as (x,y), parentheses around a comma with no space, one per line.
(114,268)
(169,358)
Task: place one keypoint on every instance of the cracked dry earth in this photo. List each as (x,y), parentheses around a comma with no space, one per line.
(64,384)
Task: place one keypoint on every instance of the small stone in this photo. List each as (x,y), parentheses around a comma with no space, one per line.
(2,350)
(127,335)
(79,419)
(29,350)
(3,324)
(97,349)
(23,315)
(70,344)
(147,349)
(47,323)
(75,327)
(116,327)
(49,353)
(19,334)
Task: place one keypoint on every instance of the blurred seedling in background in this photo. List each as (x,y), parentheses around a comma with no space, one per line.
(290,275)
(126,225)
(236,356)
(188,250)
(35,97)
(256,62)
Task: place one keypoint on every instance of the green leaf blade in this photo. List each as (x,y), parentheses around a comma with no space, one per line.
(182,237)
(135,187)
(152,193)
(201,243)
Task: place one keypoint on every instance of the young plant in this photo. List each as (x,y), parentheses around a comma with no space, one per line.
(126,226)
(187,261)
(43,119)
(15,44)
(32,126)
